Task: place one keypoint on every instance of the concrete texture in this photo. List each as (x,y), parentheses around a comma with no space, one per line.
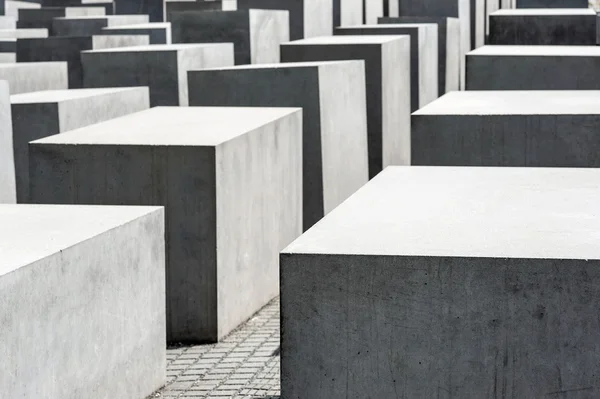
(447,282)
(83,301)
(158,32)
(12,7)
(347,12)
(231,181)
(552,3)
(23,33)
(423,59)
(256,34)
(163,68)
(8,58)
(25,77)
(387,66)
(509,128)
(8,191)
(449,53)
(534,68)
(374,9)
(308,18)
(46,113)
(180,6)
(152,8)
(333,98)
(7,22)
(8,46)
(43,17)
(543,27)
(69,49)
(92,25)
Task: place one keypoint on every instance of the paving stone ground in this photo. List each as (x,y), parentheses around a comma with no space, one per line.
(244,365)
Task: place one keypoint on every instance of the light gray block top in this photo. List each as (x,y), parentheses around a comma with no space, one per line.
(549,213)
(56,96)
(112,20)
(29,233)
(553,51)
(287,65)
(388,26)
(174,126)
(158,47)
(149,25)
(543,12)
(514,102)
(350,39)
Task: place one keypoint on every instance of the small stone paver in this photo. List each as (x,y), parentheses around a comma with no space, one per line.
(244,366)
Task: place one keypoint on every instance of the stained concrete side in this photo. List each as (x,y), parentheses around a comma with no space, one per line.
(268,29)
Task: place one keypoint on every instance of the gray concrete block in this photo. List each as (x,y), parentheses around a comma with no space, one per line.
(447,282)
(163,68)
(333,98)
(8,46)
(308,18)
(8,191)
(449,53)
(92,25)
(8,22)
(82,294)
(153,8)
(347,12)
(43,17)
(423,60)
(25,77)
(158,32)
(8,58)
(12,7)
(109,6)
(187,5)
(552,3)
(69,49)
(23,33)
(46,113)
(543,27)
(534,68)
(231,182)
(374,9)
(256,34)
(387,66)
(509,128)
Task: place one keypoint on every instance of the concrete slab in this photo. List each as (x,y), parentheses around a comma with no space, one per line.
(256,34)
(552,3)
(533,68)
(154,9)
(231,181)
(12,7)
(42,17)
(8,190)
(347,12)
(543,27)
(69,49)
(46,113)
(25,77)
(374,9)
(163,68)
(387,66)
(187,5)
(333,98)
(8,58)
(158,32)
(8,22)
(430,280)
(23,33)
(92,25)
(423,60)
(8,46)
(82,290)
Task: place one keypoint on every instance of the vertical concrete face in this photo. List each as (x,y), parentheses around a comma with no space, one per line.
(42,114)
(158,32)
(544,27)
(347,12)
(256,34)
(551,3)
(25,77)
(533,68)
(163,68)
(478,18)
(154,9)
(8,191)
(509,128)
(180,6)
(83,301)
(230,179)
(370,308)
(388,89)
(92,25)
(334,119)
(373,11)
(43,17)
(424,56)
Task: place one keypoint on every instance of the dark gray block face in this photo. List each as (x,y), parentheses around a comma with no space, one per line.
(25,77)
(43,17)
(158,32)
(87,26)
(333,99)
(69,49)
(543,27)
(424,56)
(534,68)
(154,9)
(388,89)
(308,18)
(509,128)
(256,34)
(552,3)
(449,53)
(7,162)
(230,180)
(42,114)
(163,68)
(180,6)
(8,46)
(495,286)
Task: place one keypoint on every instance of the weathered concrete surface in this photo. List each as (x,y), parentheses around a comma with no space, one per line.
(552,3)
(543,27)
(158,32)
(42,114)
(387,66)
(333,99)
(92,25)
(187,5)
(374,9)
(25,77)
(153,8)
(449,53)
(448,282)
(256,34)
(43,17)
(8,22)
(23,33)
(8,190)
(424,56)
(69,49)
(12,7)
(231,181)
(163,68)
(347,12)
(82,294)
(509,128)
(534,68)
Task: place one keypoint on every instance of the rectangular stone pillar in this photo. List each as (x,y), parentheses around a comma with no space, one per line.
(158,32)
(87,26)
(347,12)
(25,77)
(153,8)
(43,17)
(8,190)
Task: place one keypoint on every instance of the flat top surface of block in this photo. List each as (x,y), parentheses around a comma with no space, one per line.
(32,232)
(54,96)
(38,65)
(511,50)
(174,126)
(155,47)
(350,39)
(388,26)
(308,64)
(544,11)
(514,102)
(549,213)
(149,25)
(115,17)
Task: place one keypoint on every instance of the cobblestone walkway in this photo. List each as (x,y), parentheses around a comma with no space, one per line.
(245,365)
